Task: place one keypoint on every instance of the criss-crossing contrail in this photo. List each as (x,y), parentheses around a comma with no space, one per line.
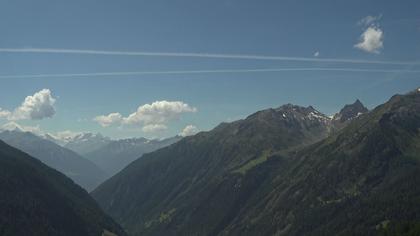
(202,55)
(221,71)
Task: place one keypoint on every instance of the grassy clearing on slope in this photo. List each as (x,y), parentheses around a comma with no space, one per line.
(252,163)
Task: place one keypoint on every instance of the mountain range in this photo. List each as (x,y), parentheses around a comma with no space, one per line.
(289,170)
(117,154)
(111,155)
(82,143)
(285,171)
(78,168)
(86,158)
(178,182)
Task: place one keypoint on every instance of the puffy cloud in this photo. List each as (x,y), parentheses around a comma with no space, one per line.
(107,120)
(4,113)
(153,128)
(35,107)
(158,112)
(189,130)
(371,40)
(11,126)
(64,135)
(152,117)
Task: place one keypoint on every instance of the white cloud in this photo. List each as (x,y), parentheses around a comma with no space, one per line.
(158,112)
(152,117)
(65,135)
(189,130)
(11,126)
(369,20)
(4,113)
(153,128)
(35,107)
(107,120)
(371,40)
(316,54)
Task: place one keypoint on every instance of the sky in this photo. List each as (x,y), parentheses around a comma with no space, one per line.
(161,68)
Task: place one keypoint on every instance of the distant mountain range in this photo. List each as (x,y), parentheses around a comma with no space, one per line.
(108,154)
(87,142)
(117,154)
(81,143)
(38,200)
(82,171)
(285,171)
(86,158)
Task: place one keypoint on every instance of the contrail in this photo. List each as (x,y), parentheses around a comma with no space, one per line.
(202,55)
(174,72)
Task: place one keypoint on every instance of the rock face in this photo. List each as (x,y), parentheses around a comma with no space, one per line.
(347,114)
(82,171)
(38,200)
(350,112)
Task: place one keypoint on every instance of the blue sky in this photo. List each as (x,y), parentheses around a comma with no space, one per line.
(277,30)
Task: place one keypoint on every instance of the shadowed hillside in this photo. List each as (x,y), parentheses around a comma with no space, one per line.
(37,200)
